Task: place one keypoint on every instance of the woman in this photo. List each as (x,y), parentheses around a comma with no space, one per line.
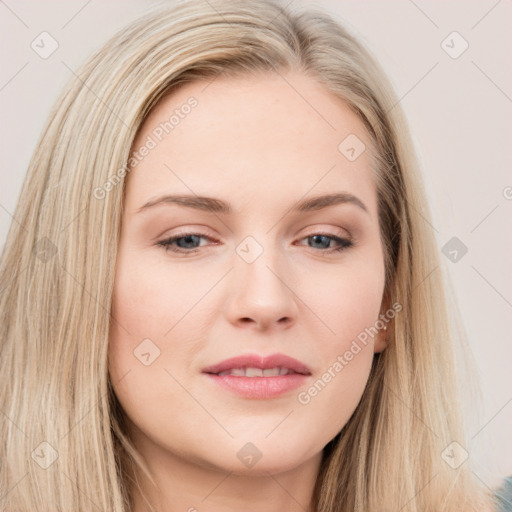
(219,293)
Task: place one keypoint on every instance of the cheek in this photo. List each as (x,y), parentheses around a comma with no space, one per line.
(347,298)
(148,302)
(326,406)
(151,299)
(158,317)
(349,304)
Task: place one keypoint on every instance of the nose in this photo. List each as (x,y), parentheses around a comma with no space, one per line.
(261,293)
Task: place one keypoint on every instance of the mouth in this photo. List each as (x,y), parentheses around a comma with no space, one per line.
(258,377)
(256,372)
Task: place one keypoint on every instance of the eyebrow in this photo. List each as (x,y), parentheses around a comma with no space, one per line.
(214,205)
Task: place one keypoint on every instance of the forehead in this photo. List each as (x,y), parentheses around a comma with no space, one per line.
(250,139)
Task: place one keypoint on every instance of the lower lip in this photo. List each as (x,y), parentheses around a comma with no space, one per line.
(259,387)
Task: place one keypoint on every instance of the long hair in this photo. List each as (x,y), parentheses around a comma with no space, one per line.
(63,443)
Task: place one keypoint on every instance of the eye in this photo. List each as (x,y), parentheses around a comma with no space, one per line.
(189,243)
(325,239)
(183,243)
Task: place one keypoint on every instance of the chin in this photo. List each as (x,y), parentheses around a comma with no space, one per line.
(263,456)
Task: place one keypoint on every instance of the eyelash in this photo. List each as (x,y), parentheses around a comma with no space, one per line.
(167,243)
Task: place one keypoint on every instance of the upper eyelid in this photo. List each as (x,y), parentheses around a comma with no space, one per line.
(318,231)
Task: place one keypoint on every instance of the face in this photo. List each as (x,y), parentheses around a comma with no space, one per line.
(262,273)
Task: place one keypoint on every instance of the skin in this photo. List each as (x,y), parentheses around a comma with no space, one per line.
(259,145)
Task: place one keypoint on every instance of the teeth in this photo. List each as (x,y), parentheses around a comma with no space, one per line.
(255,372)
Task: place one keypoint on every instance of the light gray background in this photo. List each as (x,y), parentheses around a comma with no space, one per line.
(459,111)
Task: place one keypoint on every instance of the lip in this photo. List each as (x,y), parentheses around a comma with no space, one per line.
(259,387)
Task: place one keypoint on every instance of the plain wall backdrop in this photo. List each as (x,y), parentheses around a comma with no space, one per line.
(450,65)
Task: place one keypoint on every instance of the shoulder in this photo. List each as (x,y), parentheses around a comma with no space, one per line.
(503,496)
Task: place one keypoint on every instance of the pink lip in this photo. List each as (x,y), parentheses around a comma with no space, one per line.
(255,361)
(259,387)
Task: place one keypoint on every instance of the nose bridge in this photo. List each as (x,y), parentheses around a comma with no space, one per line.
(260,290)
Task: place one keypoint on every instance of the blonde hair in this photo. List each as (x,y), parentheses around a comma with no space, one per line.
(58,265)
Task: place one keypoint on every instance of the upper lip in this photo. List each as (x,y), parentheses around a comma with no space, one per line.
(256,361)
